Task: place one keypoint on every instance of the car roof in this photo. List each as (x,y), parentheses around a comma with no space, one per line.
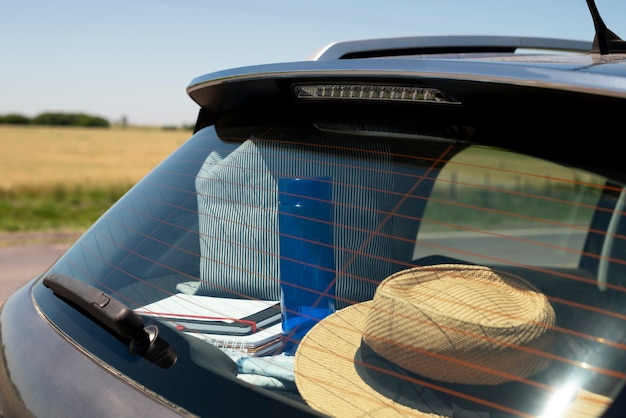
(430,45)
(564,54)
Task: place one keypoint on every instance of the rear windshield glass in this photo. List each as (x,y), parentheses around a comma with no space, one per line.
(359,271)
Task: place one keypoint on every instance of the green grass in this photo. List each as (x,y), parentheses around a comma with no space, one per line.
(59,207)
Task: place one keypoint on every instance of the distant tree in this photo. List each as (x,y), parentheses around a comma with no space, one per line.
(56,119)
(14,119)
(70,119)
(92,121)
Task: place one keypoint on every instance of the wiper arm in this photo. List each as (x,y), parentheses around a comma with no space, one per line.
(115,316)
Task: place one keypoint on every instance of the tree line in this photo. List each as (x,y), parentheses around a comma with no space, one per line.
(56,119)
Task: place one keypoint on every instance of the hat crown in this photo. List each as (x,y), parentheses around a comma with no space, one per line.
(461,324)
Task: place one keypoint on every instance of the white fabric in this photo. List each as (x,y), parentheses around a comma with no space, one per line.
(238,221)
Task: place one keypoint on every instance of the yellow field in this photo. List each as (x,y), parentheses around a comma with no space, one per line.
(39,157)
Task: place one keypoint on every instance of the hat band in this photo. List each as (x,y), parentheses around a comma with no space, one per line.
(447,399)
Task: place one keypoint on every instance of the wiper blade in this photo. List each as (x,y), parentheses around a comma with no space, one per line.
(114,315)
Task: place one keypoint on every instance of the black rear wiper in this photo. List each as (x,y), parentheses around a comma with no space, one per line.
(115,316)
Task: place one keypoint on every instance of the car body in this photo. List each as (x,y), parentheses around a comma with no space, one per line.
(457,154)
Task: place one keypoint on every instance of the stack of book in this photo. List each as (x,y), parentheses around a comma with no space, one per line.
(237,326)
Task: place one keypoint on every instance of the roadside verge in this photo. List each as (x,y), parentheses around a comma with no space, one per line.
(12,239)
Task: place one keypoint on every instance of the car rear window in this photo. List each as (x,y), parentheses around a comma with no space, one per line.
(456,278)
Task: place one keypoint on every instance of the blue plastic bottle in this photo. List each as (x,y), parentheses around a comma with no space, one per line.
(307,261)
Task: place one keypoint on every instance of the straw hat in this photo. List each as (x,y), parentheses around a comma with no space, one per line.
(434,341)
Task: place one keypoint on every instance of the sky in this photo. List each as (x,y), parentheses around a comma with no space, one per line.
(133,59)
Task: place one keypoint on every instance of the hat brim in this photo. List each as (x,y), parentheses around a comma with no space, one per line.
(325,372)
(327,379)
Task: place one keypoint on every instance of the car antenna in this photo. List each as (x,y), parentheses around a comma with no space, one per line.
(605,41)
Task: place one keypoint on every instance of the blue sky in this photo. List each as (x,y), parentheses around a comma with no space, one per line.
(135,58)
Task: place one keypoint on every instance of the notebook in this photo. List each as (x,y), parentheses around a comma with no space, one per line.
(214,315)
(265,341)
